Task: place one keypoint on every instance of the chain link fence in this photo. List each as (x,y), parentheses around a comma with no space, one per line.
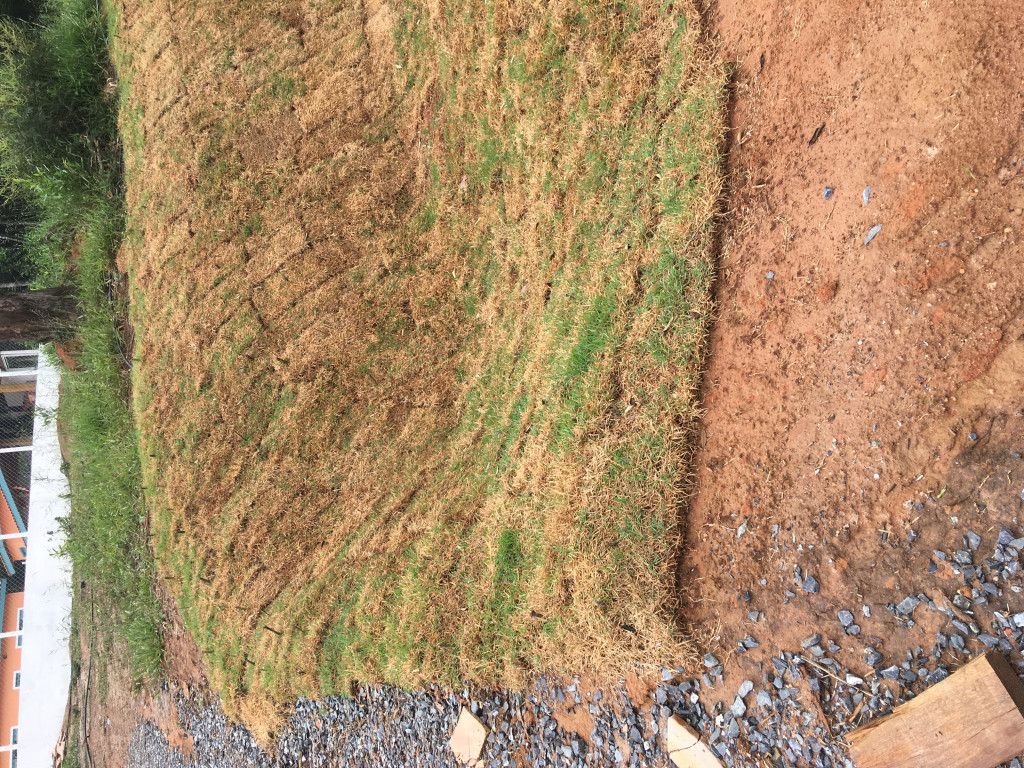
(17,413)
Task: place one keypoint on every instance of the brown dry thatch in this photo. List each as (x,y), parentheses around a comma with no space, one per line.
(420,295)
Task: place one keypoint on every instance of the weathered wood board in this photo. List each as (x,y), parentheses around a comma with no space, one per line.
(685,748)
(972,719)
(467,741)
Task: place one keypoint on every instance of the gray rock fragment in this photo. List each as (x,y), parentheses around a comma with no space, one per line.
(807,642)
(963,557)
(907,605)
(962,602)
(738,708)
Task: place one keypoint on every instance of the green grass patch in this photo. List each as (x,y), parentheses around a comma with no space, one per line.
(59,152)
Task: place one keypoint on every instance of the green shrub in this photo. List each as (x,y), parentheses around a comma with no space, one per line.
(59,155)
(58,127)
(56,120)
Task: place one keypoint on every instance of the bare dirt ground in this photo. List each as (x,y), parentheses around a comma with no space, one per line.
(115,706)
(111,708)
(846,380)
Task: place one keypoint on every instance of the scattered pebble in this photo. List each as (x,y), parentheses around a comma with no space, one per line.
(907,605)
(388,727)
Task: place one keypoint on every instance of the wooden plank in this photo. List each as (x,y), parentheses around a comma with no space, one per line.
(25,386)
(684,747)
(972,719)
(467,741)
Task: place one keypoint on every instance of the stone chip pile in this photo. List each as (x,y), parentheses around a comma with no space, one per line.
(797,713)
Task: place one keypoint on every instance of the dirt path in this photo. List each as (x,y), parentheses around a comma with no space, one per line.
(846,380)
(116,706)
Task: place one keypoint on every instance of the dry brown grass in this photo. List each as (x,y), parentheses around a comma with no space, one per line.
(420,294)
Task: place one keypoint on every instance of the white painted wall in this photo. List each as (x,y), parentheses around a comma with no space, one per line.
(45,656)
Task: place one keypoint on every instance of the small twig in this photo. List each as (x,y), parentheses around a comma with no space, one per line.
(824,669)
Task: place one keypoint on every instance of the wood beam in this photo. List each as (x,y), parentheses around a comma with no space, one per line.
(972,719)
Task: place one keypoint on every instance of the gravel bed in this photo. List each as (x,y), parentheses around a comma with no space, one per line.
(797,713)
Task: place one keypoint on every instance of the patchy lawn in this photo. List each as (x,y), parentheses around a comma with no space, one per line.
(420,294)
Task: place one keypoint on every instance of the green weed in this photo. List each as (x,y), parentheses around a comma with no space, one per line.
(58,149)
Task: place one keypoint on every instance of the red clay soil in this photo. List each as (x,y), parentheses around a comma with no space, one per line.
(185,671)
(115,711)
(110,715)
(845,379)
